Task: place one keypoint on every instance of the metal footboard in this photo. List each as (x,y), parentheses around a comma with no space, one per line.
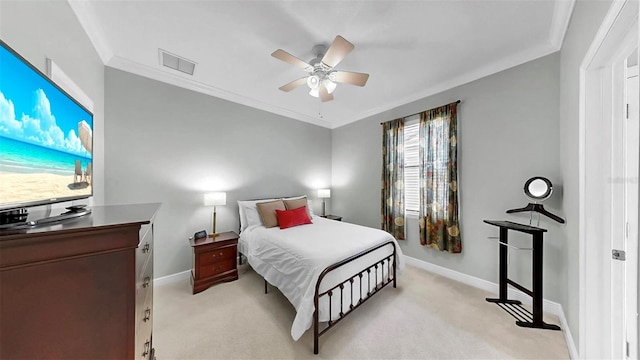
(338,290)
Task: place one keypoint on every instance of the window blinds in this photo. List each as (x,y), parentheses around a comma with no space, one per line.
(411,165)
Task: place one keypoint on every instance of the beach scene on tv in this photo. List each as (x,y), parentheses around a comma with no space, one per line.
(45,138)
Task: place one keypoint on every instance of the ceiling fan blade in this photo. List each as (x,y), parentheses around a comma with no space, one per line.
(348,77)
(286,57)
(337,51)
(294,84)
(324,94)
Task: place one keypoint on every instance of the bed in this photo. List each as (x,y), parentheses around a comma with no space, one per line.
(328,265)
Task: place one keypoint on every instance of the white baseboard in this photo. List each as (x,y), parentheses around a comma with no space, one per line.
(173,278)
(549,306)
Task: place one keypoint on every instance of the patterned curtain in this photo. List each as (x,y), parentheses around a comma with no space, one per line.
(438,216)
(393,178)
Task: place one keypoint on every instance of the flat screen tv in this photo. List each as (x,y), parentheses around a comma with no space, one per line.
(46,138)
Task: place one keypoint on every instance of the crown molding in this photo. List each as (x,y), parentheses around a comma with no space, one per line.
(490,69)
(82,9)
(90,24)
(560,22)
(179,80)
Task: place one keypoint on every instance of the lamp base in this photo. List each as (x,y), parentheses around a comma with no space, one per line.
(213,235)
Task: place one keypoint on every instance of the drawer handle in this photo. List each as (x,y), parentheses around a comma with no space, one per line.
(146,248)
(147,345)
(147,315)
(146,282)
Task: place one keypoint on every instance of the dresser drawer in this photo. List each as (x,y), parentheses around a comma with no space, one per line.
(144,282)
(145,248)
(217,268)
(143,347)
(215,255)
(144,311)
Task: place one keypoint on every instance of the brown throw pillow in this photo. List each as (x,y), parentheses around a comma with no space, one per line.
(267,211)
(294,204)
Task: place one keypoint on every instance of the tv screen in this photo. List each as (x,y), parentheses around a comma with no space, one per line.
(46,138)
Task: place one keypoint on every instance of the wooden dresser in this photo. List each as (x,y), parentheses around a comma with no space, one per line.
(80,289)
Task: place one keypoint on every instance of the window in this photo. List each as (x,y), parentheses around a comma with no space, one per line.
(422,151)
(411,165)
(412,162)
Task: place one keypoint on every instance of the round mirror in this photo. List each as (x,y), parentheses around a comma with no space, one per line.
(538,188)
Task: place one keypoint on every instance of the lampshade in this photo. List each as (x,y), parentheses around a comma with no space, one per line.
(215,198)
(324,193)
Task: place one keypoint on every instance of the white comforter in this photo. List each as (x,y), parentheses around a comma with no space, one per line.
(292,259)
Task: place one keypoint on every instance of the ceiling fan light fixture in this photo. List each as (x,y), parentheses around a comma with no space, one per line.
(330,85)
(313,82)
(322,78)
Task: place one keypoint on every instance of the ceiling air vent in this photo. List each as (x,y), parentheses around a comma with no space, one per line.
(177,63)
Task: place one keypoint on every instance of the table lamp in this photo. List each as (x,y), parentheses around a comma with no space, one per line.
(214,199)
(324,194)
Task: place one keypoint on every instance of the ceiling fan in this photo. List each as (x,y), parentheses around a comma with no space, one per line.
(322,76)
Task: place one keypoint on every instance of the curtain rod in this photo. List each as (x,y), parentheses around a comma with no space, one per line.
(418,113)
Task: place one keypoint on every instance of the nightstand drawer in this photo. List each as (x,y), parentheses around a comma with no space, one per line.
(215,255)
(217,268)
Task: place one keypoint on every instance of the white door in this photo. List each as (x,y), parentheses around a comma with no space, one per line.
(632,155)
(624,204)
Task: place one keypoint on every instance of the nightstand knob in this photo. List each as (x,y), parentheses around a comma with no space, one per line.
(220,253)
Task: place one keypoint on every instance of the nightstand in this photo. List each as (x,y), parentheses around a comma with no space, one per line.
(332,217)
(215,260)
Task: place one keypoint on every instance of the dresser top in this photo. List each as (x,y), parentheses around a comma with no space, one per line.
(100,217)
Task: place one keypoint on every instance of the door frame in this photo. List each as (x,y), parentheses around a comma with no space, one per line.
(597,206)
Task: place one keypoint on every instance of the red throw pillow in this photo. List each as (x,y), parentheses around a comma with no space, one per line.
(295,217)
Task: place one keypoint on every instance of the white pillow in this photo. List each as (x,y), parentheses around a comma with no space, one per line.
(248,213)
(253,217)
(310,207)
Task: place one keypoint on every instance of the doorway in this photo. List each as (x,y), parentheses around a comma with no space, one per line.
(608,189)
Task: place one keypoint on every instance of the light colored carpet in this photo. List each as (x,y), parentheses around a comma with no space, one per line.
(426,317)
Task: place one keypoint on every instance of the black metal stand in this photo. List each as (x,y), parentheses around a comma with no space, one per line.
(523,317)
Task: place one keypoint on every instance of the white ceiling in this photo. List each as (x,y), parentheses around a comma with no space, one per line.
(411,49)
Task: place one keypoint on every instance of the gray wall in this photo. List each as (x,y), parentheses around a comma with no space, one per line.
(585,21)
(38,30)
(171,145)
(508,132)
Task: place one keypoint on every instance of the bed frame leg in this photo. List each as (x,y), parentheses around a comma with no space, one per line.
(315,331)
(316,318)
(265,286)
(394,266)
